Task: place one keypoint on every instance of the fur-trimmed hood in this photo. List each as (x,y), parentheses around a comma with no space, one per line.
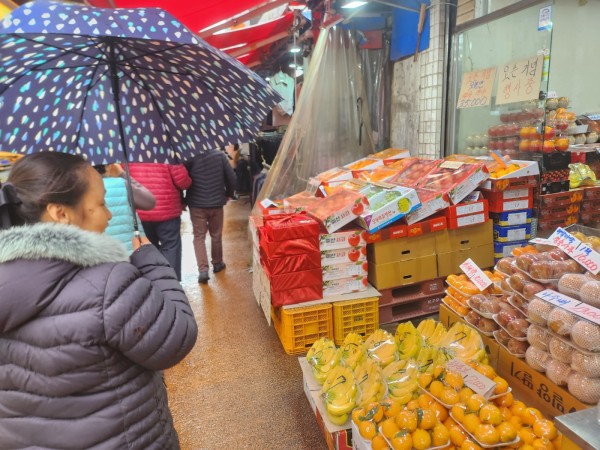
(59,242)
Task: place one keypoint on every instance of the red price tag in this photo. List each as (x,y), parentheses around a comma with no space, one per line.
(475,274)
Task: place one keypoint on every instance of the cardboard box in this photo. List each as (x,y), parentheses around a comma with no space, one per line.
(499,204)
(391,155)
(331,177)
(449,317)
(292,263)
(387,207)
(269,207)
(464,238)
(551,161)
(466,208)
(468,220)
(512,234)
(279,249)
(343,238)
(399,312)
(508,194)
(282,227)
(591,193)
(511,218)
(402,230)
(345,270)
(431,203)
(534,388)
(344,255)
(552,187)
(363,164)
(552,224)
(561,198)
(514,182)
(406,294)
(354,283)
(400,273)
(502,249)
(559,211)
(401,249)
(449,263)
(379,174)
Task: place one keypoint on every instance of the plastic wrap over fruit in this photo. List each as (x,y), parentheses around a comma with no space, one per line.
(586,363)
(561,321)
(586,335)
(581,175)
(561,350)
(538,337)
(570,284)
(381,347)
(537,359)
(538,311)
(584,388)
(558,372)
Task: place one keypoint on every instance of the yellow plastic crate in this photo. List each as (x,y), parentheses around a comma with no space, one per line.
(358,316)
(299,328)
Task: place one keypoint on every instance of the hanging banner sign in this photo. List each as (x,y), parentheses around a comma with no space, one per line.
(519,80)
(476,88)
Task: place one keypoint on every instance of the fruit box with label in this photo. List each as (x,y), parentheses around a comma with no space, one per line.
(455,178)
(467,213)
(464,238)
(334,211)
(482,255)
(431,202)
(562,198)
(346,237)
(269,207)
(411,170)
(344,270)
(388,206)
(330,177)
(402,230)
(391,155)
(534,388)
(559,211)
(383,173)
(502,249)
(512,234)
(354,283)
(363,164)
(526,176)
(401,249)
(282,227)
(344,255)
(510,218)
(498,204)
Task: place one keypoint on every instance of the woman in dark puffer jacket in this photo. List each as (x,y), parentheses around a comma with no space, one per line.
(84,329)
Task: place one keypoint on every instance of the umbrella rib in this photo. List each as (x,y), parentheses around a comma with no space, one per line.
(85,99)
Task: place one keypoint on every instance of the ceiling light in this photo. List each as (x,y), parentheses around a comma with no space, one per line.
(297,6)
(295,49)
(292,65)
(353,4)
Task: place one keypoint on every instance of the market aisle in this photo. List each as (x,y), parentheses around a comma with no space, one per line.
(237,388)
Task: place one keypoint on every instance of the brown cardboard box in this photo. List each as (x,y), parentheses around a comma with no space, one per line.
(402,249)
(449,263)
(400,273)
(534,388)
(447,241)
(400,312)
(412,292)
(449,317)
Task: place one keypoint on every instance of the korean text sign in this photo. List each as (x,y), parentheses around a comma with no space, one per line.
(476,88)
(519,80)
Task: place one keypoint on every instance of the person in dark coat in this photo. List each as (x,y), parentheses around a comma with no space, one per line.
(213,182)
(85,329)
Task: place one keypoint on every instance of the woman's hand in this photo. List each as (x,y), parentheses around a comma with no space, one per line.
(138,241)
(114,170)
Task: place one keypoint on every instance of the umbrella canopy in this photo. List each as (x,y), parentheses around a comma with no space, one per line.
(120,85)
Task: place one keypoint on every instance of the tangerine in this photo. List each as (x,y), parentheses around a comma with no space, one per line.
(516,422)
(526,435)
(517,408)
(375,411)
(427,419)
(506,414)
(367,429)
(424,401)
(457,435)
(379,443)
(425,380)
(389,427)
(475,402)
(487,434)
(390,407)
(530,415)
(421,440)
(438,371)
(544,429)
(542,444)
(407,420)
(449,396)
(557,442)
(440,435)
(490,414)
(436,388)
(468,444)
(440,411)
(505,400)
(508,432)
(402,440)
(412,405)
(471,422)
(454,380)
(485,369)
(458,411)
(465,394)
(358,415)
(501,385)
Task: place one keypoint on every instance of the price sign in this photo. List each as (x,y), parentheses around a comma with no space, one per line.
(476,88)
(475,274)
(587,257)
(519,80)
(578,308)
(313,185)
(479,383)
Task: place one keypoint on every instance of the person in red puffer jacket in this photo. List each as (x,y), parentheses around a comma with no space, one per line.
(162,224)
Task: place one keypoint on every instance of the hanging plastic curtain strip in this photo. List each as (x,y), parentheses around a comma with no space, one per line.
(325,128)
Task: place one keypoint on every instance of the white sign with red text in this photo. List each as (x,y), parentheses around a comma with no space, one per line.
(475,274)
(479,383)
(587,257)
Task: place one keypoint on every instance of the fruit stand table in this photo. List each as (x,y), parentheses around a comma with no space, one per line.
(581,427)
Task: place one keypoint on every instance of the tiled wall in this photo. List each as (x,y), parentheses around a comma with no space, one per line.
(416,111)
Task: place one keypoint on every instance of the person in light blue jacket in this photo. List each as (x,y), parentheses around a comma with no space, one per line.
(121,225)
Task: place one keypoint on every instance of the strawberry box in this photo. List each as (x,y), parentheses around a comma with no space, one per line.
(391,155)
(455,179)
(345,270)
(342,239)
(431,202)
(356,283)
(344,255)
(387,206)
(332,212)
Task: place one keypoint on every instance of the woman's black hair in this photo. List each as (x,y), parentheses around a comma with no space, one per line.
(43,178)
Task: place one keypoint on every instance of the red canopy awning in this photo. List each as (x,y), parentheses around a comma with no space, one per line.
(251,35)
(195,15)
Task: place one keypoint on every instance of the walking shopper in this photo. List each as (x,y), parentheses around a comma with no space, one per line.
(121,225)
(84,329)
(213,182)
(162,224)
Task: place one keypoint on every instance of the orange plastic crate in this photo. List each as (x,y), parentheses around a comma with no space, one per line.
(299,328)
(355,316)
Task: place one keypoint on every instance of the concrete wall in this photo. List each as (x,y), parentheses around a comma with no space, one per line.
(416,117)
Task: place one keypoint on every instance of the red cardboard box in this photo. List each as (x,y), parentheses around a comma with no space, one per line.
(469,219)
(278,249)
(294,280)
(291,263)
(283,227)
(559,211)
(498,204)
(297,295)
(590,206)
(391,155)
(413,292)
(591,193)
(467,208)
(561,198)
(508,194)
(553,223)
(269,207)
(528,181)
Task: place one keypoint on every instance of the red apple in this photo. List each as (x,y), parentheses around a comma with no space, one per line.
(511,143)
(358,209)
(365,266)
(354,240)
(505,118)
(365,281)
(549,133)
(363,250)
(353,255)
(535,145)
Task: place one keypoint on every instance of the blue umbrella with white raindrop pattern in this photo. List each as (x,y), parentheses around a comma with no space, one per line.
(120,85)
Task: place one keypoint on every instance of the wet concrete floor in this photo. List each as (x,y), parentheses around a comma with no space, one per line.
(237,389)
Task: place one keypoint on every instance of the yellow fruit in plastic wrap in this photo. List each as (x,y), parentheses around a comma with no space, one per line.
(581,175)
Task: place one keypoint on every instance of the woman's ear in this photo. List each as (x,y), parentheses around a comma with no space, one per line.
(55,212)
